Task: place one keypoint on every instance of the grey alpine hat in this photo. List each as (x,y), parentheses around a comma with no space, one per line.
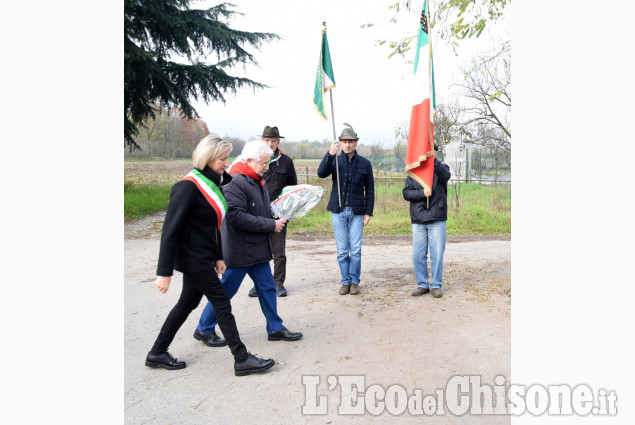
(348,133)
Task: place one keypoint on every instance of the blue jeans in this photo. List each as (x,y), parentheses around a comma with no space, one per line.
(265,287)
(348,229)
(428,236)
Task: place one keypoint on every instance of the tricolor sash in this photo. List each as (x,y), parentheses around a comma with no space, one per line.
(275,158)
(210,191)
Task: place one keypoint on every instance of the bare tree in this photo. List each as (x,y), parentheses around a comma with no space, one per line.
(498,149)
(399,150)
(237,144)
(377,152)
(477,162)
(487,88)
(401,131)
(448,123)
(401,142)
(455,162)
(303,149)
(377,148)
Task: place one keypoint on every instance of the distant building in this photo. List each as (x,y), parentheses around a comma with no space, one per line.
(458,156)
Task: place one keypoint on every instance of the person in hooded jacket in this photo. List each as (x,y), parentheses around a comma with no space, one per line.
(191,244)
(428,215)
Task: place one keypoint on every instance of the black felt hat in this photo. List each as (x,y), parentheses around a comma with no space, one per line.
(271,132)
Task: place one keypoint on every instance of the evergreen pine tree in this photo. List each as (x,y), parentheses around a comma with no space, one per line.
(159,35)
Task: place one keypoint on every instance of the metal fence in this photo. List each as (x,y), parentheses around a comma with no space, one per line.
(309,178)
(389,198)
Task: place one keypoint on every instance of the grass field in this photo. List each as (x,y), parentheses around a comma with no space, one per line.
(482,209)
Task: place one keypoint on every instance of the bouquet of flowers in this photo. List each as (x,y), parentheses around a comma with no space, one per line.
(296,201)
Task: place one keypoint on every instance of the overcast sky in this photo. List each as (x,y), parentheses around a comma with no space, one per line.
(373,93)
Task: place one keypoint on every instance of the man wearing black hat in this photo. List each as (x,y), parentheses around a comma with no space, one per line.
(281,173)
(351,211)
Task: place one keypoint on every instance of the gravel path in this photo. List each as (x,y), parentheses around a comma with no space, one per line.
(383,335)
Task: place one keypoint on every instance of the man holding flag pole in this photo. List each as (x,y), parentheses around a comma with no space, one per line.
(426,184)
(352,209)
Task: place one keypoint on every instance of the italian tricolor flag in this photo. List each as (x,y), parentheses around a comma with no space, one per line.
(420,150)
(211,192)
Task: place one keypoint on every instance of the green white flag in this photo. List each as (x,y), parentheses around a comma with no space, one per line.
(325,79)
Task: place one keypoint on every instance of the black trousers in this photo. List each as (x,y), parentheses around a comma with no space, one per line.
(279,242)
(195,285)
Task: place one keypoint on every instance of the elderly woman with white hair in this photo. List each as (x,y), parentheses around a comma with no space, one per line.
(191,244)
(247,246)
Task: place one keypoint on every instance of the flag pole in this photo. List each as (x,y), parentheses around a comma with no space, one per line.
(337,168)
(430,138)
(332,115)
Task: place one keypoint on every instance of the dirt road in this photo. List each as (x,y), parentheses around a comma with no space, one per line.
(384,336)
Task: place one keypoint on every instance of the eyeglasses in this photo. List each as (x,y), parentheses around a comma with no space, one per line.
(270,140)
(265,165)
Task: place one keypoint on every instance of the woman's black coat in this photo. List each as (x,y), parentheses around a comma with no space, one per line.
(190,240)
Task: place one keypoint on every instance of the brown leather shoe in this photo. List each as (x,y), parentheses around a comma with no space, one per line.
(420,291)
(436,293)
(354,289)
(345,289)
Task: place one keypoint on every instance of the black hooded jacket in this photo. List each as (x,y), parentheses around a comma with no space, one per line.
(249,224)
(413,193)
